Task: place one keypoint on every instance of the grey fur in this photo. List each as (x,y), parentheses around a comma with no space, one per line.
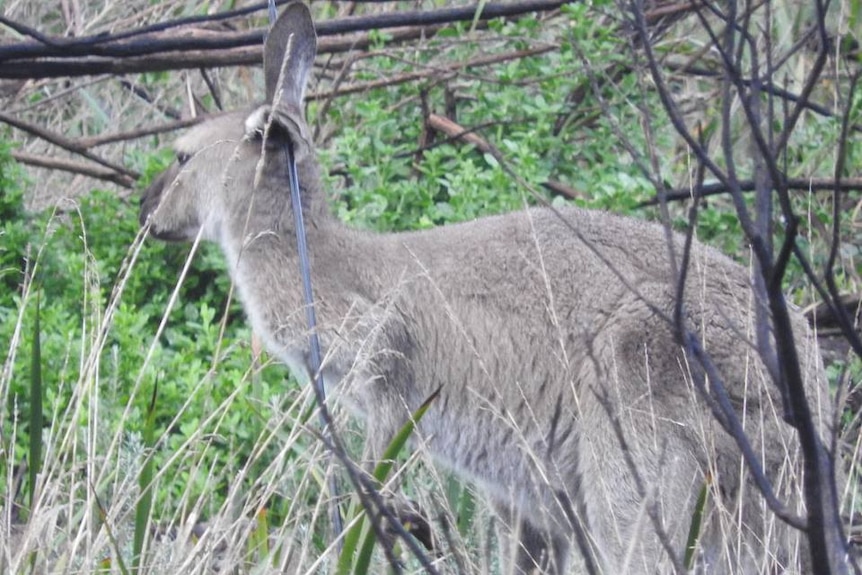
(533,332)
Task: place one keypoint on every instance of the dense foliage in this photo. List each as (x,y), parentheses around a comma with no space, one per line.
(76,259)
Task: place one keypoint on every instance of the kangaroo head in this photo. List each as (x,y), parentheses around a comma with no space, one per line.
(222,162)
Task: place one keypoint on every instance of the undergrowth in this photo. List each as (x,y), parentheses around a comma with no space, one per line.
(225,431)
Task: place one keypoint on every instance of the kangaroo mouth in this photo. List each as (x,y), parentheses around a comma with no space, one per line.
(149,204)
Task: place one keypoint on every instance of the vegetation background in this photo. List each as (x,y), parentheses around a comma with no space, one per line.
(166,440)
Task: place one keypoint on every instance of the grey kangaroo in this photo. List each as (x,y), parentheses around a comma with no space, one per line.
(563,395)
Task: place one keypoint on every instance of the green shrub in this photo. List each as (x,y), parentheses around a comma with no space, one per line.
(78,258)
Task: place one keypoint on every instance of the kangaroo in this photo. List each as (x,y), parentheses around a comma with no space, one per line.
(563,395)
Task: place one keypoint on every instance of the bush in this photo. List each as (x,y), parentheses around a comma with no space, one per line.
(77,260)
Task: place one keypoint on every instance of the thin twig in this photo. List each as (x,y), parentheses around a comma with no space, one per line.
(71,166)
(65,143)
(201,39)
(829,269)
(457,132)
(723,410)
(796,184)
(435,71)
(103,139)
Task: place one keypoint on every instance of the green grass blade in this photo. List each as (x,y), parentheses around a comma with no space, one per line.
(363,560)
(466,510)
(36,404)
(258,543)
(381,472)
(103,519)
(351,542)
(696,523)
(145,480)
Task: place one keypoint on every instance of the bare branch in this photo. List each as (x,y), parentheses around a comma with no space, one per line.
(829,273)
(74,167)
(94,141)
(430,72)
(192,47)
(455,131)
(735,46)
(64,143)
(797,184)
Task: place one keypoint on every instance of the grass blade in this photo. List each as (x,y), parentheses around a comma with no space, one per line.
(35,404)
(145,481)
(103,518)
(381,472)
(258,543)
(696,523)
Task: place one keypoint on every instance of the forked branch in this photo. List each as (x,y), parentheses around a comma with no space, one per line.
(738,46)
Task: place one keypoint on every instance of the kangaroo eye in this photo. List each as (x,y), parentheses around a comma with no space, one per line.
(182,158)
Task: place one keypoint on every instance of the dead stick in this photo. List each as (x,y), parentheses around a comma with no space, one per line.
(457,132)
(74,167)
(94,141)
(65,143)
(798,184)
(188,59)
(437,70)
(129,44)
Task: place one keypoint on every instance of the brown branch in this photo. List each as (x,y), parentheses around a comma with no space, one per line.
(110,172)
(796,184)
(679,9)
(434,71)
(458,132)
(560,189)
(190,59)
(74,167)
(63,142)
(94,141)
(160,50)
(767,87)
(86,66)
(455,131)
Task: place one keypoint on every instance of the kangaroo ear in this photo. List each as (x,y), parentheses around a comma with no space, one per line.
(288,58)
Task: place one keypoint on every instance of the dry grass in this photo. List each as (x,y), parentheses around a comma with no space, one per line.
(83,519)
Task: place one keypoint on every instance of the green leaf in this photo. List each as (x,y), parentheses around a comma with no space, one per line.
(359,535)
(696,523)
